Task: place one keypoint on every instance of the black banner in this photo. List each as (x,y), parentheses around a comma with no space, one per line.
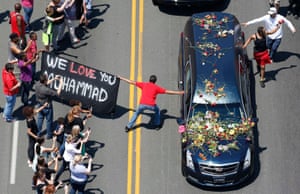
(90,86)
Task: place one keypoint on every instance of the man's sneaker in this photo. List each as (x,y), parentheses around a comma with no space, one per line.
(10,120)
(127,129)
(262,83)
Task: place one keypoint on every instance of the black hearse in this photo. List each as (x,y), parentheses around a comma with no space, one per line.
(216,135)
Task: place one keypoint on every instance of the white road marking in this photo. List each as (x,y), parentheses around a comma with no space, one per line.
(14,152)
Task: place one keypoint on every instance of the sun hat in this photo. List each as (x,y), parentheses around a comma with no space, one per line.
(272,11)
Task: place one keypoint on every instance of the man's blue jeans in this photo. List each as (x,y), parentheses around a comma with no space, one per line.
(273,45)
(46,113)
(9,106)
(140,109)
(57,34)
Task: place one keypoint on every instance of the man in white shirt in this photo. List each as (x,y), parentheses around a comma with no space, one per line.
(271,20)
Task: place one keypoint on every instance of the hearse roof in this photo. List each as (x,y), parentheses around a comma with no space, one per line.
(216,68)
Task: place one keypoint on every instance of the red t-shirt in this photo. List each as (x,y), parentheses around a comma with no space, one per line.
(149,92)
(9,81)
(32,49)
(14,24)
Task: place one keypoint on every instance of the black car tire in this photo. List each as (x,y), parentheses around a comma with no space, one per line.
(183,171)
(183,160)
(155,2)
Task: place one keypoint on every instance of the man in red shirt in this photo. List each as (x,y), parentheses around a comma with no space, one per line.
(18,23)
(10,90)
(148,99)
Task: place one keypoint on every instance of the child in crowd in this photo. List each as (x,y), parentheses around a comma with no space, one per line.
(59,130)
(32,52)
(47,28)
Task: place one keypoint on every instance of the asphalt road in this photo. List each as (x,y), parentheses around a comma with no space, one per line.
(135,40)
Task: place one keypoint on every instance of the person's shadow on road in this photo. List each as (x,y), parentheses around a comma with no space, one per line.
(93,191)
(96,11)
(4,16)
(150,126)
(284,55)
(93,146)
(271,75)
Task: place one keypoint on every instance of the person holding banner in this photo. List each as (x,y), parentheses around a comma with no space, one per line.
(148,99)
(44,94)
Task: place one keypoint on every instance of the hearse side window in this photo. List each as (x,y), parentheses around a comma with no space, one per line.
(243,81)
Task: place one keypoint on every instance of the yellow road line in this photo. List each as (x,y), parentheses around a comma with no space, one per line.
(131,94)
(139,78)
(131,97)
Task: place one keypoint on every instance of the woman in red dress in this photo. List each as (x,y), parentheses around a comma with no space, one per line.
(261,52)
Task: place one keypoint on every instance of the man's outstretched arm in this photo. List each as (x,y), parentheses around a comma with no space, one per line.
(127,80)
(174,92)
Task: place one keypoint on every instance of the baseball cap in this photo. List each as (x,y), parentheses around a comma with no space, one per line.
(272,11)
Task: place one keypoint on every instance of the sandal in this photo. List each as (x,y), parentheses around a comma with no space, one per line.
(262,80)
(262,83)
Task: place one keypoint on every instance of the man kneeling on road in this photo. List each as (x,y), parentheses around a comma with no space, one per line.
(148,99)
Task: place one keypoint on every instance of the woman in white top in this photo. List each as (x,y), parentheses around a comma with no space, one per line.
(79,174)
(69,153)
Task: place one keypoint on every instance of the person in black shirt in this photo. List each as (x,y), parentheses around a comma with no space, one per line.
(261,52)
(32,130)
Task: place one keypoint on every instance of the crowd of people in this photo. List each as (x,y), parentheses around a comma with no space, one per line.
(67,134)
(67,151)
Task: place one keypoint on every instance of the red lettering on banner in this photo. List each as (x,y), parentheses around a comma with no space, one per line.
(82,70)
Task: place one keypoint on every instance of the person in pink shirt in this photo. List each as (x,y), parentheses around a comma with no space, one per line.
(28,9)
(32,52)
(148,99)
